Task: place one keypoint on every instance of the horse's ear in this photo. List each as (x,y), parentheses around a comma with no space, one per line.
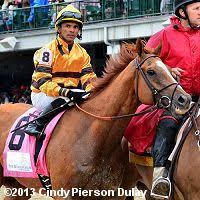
(155,51)
(140,47)
(158,49)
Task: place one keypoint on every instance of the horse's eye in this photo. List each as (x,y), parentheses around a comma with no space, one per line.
(150,72)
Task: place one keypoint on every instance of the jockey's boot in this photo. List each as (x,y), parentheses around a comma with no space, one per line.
(161,186)
(166,132)
(37,127)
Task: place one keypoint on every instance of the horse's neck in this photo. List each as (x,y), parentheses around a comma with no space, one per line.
(117,98)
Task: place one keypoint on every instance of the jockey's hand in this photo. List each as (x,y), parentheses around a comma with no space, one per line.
(76,94)
(177,72)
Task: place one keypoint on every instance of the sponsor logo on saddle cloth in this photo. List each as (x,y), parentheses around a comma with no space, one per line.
(19,151)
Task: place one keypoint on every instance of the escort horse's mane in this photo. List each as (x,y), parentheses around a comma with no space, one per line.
(115,64)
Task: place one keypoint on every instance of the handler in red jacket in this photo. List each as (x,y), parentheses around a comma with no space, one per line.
(181,52)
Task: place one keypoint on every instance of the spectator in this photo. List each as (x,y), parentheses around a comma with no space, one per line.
(38,13)
(15,94)
(165,6)
(23,99)
(4,97)
(25,3)
(2,22)
(11,15)
(5,5)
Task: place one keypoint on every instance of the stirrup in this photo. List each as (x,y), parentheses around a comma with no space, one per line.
(159,196)
(41,133)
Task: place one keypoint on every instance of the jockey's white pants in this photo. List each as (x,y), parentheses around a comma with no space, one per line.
(40,100)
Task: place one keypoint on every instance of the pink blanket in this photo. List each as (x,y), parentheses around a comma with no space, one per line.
(19,151)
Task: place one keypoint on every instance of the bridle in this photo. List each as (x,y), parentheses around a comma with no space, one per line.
(160,100)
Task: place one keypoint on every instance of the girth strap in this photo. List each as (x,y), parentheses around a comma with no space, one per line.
(45,181)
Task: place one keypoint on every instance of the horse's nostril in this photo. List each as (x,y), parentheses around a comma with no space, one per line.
(181,99)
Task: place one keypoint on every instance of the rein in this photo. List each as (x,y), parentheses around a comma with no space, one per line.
(109,118)
(106,118)
(193,118)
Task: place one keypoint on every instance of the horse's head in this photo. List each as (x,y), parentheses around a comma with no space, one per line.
(154,83)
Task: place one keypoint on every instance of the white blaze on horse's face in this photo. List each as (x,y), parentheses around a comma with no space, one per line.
(163,66)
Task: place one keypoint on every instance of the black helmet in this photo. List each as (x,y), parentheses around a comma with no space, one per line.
(180,3)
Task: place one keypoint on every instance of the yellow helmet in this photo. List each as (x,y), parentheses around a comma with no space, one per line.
(69,14)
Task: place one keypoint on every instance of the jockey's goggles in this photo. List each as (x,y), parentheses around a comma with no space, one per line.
(69,14)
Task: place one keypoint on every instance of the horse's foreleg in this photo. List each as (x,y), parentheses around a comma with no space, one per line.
(14,190)
(146,174)
(130,177)
(1,176)
(144,188)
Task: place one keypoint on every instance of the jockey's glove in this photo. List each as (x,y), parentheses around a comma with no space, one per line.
(76,94)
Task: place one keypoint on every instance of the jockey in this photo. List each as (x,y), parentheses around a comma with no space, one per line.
(180,51)
(62,70)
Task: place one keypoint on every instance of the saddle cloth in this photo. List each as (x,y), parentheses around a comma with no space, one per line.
(20,148)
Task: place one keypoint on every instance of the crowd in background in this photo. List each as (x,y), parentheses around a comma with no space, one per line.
(34,13)
(15,94)
(42,13)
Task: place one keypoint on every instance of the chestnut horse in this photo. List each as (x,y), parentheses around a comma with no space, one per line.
(187,172)
(84,151)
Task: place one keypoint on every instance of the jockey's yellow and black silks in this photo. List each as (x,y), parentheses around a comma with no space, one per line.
(54,71)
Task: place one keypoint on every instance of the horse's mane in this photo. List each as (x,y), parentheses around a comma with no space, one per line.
(115,64)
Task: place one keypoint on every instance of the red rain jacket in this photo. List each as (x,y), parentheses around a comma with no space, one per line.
(180,48)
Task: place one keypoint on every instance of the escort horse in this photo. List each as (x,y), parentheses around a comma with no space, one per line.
(184,171)
(84,150)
